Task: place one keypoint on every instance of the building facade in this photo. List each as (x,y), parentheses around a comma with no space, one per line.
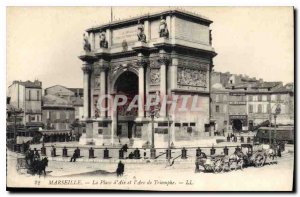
(27,96)
(219,109)
(251,102)
(74,95)
(58,113)
(155,54)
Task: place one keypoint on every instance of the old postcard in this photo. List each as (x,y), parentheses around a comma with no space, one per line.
(150,98)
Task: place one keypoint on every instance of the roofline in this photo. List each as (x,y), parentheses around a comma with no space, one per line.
(133,20)
(56,85)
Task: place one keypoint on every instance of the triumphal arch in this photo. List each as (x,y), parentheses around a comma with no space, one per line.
(167,54)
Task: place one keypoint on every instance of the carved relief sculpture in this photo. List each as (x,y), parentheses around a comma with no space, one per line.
(163,30)
(97,82)
(103,41)
(141,35)
(116,67)
(191,77)
(86,44)
(154,76)
(124,45)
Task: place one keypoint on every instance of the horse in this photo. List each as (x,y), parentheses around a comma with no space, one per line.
(271,154)
(42,166)
(237,157)
(39,166)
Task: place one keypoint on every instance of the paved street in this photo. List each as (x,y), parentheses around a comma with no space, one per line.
(269,177)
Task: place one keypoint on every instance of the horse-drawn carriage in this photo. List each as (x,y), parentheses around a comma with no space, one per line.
(32,163)
(246,155)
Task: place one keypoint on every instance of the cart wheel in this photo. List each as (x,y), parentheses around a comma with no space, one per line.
(259,160)
(218,166)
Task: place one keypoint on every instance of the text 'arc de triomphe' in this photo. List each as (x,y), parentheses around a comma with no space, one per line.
(166,53)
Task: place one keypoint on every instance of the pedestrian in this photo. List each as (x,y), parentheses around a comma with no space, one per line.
(145,153)
(36,154)
(130,155)
(125,148)
(223,132)
(120,169)
(278,150)
(74,157)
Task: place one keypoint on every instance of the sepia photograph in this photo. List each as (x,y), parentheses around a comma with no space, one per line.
(150,98)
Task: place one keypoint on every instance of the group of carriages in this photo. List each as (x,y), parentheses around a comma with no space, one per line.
(246,155)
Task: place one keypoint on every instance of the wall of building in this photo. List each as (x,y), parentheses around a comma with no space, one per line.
(33,105)
(17,96)
(219,110)
(60,91)
(58,118)
(196,120)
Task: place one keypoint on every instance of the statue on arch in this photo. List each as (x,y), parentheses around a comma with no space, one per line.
(86,43)
(103,41)
(141,35)
(163,29)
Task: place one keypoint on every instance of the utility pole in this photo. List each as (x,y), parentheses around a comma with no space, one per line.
(111,13)
(169,139)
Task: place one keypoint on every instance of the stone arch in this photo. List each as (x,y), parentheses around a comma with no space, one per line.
(118,74)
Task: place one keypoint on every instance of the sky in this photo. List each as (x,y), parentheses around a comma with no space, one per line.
(44,42)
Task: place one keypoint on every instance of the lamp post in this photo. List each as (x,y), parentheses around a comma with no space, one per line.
(153,112)
(277,112)
(169,141)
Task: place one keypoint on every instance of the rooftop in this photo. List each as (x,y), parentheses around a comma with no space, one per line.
(152,16)
(29,84)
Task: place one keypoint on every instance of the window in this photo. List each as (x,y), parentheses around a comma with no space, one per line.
(225,122)
(259,98)
(250,98)
(100,131)
(278,97)
(217,108)
(31,118)
(259,108)
(37,118)
(268,108)
(224,108)
(67,115)
(105,124)
(217,98)
(185,124)
(224,97)
(264,97)
(162,124)
(29,95)
(37,95)
(57,115)
(192,124)
(250,109)
(268,97)
(177,124)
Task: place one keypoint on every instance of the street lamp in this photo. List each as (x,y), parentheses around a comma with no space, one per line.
(277,112)
(153,112)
